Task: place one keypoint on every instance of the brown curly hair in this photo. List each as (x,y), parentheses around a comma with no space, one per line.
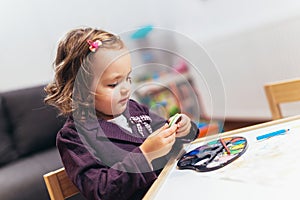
(73,53)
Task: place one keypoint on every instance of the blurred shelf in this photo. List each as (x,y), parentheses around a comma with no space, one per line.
(159,84)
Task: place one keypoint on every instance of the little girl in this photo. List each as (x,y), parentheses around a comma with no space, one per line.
(111,146)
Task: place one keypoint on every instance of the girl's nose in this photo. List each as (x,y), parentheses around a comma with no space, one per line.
(125,87)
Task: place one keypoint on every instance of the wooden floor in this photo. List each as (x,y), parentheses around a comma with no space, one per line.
(235,124)
(215,126)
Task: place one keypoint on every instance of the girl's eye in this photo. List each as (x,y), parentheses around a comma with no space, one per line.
(112,85)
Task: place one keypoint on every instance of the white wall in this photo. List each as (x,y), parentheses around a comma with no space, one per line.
(250,59)
(250,41)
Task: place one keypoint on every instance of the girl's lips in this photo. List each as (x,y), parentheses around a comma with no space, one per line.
(122,101)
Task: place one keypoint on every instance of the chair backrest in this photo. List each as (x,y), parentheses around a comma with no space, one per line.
(281,92)
(59,185)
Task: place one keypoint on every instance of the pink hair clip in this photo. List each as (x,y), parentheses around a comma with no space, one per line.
(94,45)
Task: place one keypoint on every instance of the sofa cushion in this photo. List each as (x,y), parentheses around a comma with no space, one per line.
(23,179)
(34,124)
(7,150)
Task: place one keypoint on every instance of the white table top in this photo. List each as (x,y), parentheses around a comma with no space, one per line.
(269,169)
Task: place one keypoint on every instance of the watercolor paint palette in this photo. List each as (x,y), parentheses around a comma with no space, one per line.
(214,154)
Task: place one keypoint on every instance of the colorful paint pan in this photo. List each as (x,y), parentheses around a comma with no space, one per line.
(214,154)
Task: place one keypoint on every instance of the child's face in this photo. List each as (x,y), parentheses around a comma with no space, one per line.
(112,88)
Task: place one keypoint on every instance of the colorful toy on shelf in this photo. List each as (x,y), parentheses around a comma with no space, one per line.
(140,37)
(142,32)
(163,101)
(181,67)
(207,128)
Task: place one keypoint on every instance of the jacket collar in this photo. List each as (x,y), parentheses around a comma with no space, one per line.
(104,129)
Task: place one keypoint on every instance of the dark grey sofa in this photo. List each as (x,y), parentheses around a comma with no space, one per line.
(28,129)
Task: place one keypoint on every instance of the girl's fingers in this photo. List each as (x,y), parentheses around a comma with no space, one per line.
(169,131)
(183,125)
(160,130)
(184,119)
(170,140)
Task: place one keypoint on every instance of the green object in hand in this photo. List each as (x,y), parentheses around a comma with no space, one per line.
(175,119)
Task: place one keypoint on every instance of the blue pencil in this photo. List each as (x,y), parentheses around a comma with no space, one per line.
(275,133)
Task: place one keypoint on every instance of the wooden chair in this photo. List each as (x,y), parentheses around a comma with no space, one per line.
(281,92)
(59,185)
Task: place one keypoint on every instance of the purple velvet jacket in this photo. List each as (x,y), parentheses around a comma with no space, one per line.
(104,160)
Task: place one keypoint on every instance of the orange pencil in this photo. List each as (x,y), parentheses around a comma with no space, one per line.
(224,145)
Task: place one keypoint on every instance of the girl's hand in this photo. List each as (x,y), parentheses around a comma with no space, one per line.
(159,143)
(184,126)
